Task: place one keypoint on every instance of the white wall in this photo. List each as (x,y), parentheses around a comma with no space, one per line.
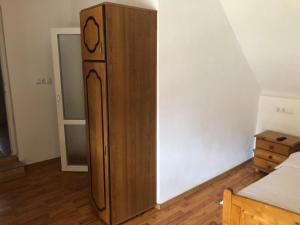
(268,32)
(27,31)
(207,93)
(208,96)
(27,27)
(270,119)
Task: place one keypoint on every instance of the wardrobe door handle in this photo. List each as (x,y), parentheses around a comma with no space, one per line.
(58,98)
(100,47)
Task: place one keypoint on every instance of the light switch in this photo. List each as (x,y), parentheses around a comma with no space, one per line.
(38,81)
(44,81)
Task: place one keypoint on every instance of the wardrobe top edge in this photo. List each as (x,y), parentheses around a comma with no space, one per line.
(120,5)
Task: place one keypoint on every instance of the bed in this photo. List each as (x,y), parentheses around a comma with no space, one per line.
(273,200)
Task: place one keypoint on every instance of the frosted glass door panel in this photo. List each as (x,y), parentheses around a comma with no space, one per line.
(68,76)
(71,76)
(76,144)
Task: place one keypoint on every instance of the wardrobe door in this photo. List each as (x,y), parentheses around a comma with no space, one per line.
(95,91)
(92,34)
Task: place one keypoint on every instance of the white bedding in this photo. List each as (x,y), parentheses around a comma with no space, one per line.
(293,161)
(280,188)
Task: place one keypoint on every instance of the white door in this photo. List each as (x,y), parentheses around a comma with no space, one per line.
(70,98)
(7,90)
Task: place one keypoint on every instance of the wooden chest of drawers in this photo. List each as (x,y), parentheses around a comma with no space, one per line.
(272,148)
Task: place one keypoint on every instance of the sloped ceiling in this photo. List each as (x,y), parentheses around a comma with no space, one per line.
(269,35)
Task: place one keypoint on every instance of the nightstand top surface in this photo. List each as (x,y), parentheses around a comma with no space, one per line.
(273,135)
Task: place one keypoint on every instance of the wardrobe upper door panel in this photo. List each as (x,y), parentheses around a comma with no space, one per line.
(92,34)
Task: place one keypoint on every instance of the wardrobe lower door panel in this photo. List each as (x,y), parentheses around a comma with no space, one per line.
(95,91)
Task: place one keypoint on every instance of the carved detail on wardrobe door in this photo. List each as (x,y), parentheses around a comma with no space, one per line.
(95,113)
(92,34)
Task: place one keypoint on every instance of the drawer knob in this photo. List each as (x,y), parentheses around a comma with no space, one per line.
(270,157)
(271,147)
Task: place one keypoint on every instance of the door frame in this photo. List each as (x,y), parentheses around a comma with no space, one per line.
(55,32)
(7,90)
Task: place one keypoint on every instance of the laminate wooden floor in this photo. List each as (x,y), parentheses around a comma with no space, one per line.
(47,196)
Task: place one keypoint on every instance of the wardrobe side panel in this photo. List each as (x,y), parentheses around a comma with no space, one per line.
(131,72)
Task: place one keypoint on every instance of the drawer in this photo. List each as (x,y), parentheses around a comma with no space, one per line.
(273,147)
(92,34)
(270,156)
(264,165)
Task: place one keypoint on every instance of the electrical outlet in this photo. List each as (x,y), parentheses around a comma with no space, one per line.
(284,110)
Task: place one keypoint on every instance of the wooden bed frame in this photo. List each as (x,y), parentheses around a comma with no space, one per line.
(238,210)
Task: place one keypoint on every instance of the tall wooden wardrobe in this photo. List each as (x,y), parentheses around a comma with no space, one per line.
(119,65)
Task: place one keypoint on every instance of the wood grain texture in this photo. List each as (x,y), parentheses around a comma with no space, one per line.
(96,109)
(227,206)
(8,159)
(12,173)
(268,155)
(92,34)
(271,136)
(47,196)
(274,147)
(130,61)
(264,165)
(131,68)
(240,210)
(11,168)
(270,152)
